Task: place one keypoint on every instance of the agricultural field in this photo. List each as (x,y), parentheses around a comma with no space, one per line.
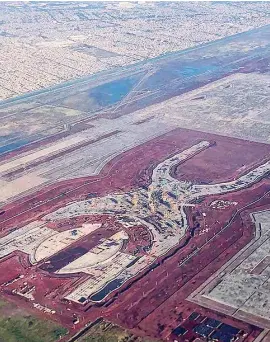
(140,198)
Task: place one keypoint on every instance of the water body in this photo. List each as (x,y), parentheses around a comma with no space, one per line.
(111,286)
(14,146)
(112,92)
(259,35)
(159,78)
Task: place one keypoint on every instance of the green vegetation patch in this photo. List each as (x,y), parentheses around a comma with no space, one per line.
(17,326)
(108,332)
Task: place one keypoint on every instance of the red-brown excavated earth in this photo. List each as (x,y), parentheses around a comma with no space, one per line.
(133,168)
(155,298)
(224,161)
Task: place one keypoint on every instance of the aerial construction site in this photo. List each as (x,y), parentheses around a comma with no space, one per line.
(141,196)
